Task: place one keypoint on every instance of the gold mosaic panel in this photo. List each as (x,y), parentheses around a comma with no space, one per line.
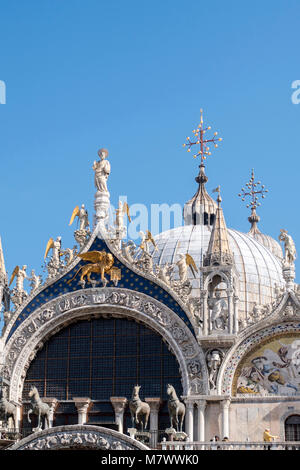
(272,368)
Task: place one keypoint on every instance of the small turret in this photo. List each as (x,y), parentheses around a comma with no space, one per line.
(201,209)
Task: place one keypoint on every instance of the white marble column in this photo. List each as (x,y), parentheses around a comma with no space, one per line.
(235,314)
(225,404)
(201,405)
(189,419)
(18,416)
(154,404)
(82,405)
(119,405)
(101,204)
(53,403)
(230,310)
(206,315)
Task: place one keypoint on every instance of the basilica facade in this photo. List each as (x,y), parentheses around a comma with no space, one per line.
(202,316)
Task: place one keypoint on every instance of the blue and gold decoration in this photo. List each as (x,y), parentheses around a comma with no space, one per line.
(127,280)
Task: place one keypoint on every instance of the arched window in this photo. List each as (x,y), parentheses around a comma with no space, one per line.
(292,428)
(212,219)
(98,359)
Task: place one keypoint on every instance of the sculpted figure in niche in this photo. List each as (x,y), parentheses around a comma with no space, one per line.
(102,171)
(218,311)
(213,363)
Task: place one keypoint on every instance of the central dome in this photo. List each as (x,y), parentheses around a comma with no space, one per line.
(259,269)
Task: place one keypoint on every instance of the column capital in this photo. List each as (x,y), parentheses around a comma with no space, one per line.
(201,404)
(225,403)
(82,404)
(52,402)
(154,403)
(118,403)
(189,403)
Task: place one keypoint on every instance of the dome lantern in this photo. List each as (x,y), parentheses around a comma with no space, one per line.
(201,209)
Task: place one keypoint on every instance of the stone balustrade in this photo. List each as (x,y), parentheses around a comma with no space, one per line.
(173,445)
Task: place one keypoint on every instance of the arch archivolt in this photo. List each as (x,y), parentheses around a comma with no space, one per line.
(47,320)
(215,273)
(230,364)
(78,437)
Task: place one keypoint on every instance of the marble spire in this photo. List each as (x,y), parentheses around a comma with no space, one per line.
(2,264)
(218,251)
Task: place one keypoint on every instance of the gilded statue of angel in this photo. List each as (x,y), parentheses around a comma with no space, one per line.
(101,262)
(55,245)
(82,215)
(120,212)
(145,239)
(186,261)
(20,275)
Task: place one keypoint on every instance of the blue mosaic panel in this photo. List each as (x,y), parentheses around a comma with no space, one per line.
(130,280)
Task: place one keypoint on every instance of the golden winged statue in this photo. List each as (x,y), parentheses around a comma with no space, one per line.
(124,209)
(75,213)
(14,273)
(55,245)
(82,217)
(101,262)
(49,245)
(191,263)
(20,275)
(147,238)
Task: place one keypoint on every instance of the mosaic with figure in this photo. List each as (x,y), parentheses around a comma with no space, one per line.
(271,369)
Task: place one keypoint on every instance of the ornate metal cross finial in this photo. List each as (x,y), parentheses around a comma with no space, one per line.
(254,190)
(204,150)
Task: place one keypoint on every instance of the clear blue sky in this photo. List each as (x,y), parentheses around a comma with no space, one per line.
(132,76)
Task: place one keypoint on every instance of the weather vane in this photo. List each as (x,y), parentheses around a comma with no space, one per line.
(204,149)
(254,189)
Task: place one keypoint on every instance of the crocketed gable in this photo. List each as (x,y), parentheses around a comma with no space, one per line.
(130,280)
